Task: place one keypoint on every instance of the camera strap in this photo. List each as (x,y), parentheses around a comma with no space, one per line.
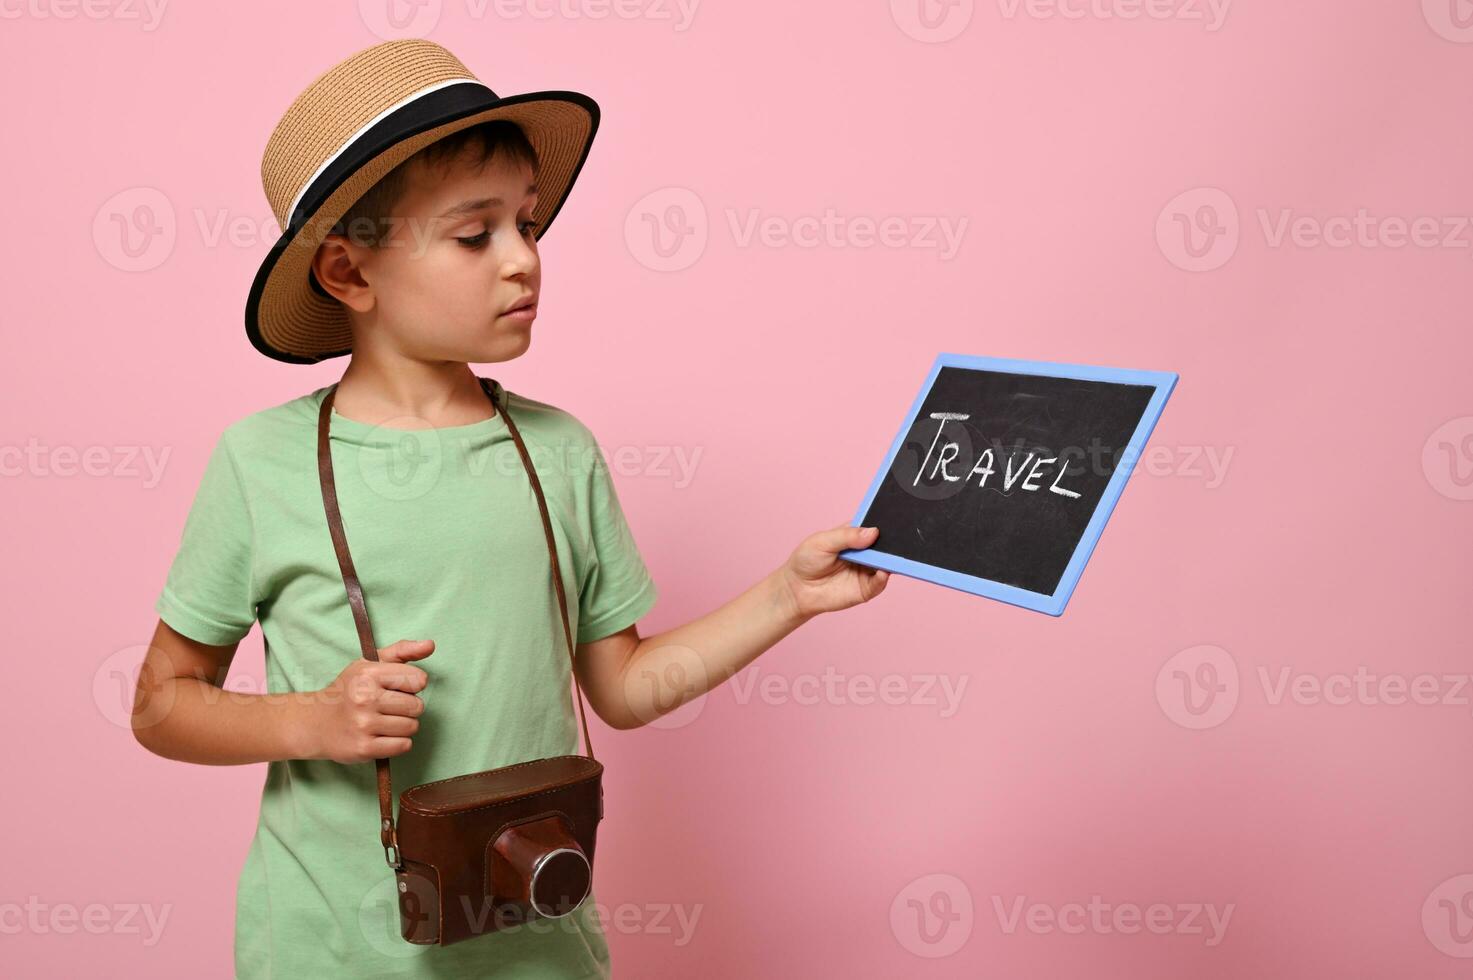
(355,590)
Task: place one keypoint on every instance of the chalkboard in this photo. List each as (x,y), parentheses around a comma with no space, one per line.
(1004,473)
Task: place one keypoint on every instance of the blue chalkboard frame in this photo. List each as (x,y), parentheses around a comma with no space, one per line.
(876,557)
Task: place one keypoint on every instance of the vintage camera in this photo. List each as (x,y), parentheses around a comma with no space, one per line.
(494,849)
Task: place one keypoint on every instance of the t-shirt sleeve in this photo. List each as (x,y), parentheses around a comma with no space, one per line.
(616,588)
(208,595)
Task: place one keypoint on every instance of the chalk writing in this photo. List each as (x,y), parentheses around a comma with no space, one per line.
(1028,472)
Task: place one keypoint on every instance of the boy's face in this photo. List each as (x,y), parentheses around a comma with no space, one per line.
(459,253)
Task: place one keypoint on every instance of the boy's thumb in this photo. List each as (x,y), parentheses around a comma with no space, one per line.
(405,651)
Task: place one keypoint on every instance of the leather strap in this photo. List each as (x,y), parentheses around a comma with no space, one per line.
(360,611)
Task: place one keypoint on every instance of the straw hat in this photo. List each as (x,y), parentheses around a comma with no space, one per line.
(352,125)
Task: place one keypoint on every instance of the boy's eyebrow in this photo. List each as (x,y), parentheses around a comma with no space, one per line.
(481,204)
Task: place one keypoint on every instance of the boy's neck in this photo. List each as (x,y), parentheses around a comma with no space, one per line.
(436,394)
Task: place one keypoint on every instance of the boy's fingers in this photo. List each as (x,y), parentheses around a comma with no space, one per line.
(406,650)
(398,703)
(395,726)
(385,746)
(836,539)
(402,677)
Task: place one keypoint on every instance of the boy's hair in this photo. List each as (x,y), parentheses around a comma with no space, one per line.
(367,221)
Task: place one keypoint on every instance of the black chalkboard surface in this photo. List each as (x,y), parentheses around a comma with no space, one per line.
(1005,472)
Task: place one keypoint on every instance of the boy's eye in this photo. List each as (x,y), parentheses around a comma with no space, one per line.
(478,240)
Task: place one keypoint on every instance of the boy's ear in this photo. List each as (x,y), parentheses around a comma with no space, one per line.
(337,274)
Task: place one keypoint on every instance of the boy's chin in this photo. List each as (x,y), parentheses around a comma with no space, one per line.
(503,348)
(476,346)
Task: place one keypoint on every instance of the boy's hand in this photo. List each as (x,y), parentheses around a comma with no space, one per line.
(819,581)
(371,709)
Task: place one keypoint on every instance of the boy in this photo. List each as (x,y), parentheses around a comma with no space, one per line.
(412,199)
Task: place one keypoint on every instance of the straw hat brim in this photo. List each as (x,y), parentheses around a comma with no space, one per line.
(288,315)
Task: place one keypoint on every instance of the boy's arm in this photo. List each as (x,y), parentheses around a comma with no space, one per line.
(181,710)
(630,681)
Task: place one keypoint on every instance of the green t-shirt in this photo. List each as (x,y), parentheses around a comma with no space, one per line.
(448,543)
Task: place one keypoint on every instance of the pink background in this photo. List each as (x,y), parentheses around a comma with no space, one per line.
(1337,538)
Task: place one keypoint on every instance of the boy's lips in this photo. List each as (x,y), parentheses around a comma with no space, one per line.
(523,309)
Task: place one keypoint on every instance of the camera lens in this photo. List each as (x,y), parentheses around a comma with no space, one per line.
(560,882)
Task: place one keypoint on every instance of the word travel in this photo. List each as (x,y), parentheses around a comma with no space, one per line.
(1025,476)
